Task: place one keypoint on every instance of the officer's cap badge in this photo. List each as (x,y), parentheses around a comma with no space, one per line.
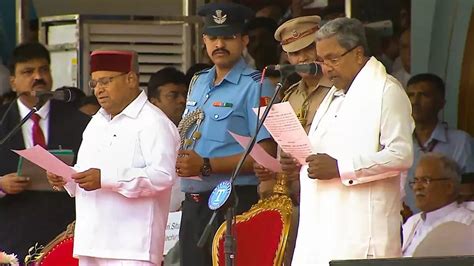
(219,18)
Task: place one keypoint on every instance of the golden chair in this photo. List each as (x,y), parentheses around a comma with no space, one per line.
(261,233)
(57,252)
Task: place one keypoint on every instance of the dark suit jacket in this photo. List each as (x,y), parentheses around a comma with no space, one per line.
(36,216)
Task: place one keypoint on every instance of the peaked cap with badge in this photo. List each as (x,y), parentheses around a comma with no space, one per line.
(224,19)
(298,33)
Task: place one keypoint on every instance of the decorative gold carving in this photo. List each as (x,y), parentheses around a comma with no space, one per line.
(281,185)
(34,254)
(280,203)
(38,252)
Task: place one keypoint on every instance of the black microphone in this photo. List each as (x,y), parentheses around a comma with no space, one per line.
(311,68)
(65,94)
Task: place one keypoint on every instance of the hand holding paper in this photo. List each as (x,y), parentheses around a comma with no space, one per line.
(290,166)
(57,182)
(14,184)
(44,159)
(287,131)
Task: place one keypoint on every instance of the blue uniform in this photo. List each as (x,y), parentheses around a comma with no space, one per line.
(454,143)
(227,107)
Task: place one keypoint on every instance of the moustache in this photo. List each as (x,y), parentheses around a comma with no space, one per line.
(220,50)
(39,82)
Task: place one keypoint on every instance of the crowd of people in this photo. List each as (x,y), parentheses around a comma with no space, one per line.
(384,172)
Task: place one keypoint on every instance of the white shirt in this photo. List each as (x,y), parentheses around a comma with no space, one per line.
(27,128)
(330,118)
(418,226)
(468,205)
(136,152)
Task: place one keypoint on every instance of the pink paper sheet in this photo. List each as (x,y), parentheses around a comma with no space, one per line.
(258,153)
(44,159)
(287,131)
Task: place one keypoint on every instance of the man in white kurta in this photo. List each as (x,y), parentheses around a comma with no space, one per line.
(126,168)
(436,187)
(361,143)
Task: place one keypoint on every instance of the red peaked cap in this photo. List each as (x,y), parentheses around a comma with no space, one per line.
(118,61)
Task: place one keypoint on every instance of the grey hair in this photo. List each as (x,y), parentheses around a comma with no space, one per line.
(349,33)
(450,167)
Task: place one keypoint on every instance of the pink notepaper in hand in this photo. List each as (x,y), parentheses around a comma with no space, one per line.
(258,153)
(44,159)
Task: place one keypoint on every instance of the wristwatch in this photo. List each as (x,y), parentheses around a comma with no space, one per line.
(206,167)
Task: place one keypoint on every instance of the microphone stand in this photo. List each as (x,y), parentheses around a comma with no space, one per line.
(229,240)
(39,104)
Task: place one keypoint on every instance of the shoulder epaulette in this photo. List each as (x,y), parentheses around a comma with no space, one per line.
(194,79)
(256,75)
(290,91)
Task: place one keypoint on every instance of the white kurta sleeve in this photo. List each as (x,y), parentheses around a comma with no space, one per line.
(396,154)
(158,146)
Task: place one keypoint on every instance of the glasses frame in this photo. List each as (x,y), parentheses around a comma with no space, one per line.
(335,61)
(103,81)
(425,181)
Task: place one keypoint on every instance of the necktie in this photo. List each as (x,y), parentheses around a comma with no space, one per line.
(38,136)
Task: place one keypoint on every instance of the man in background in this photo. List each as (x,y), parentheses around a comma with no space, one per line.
(426,92)
(436,186)
(32,216)
(167,90)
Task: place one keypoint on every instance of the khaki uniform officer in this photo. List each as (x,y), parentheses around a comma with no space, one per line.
(296,37)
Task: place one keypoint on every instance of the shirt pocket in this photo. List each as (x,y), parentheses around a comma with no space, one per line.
(217,123)
(124,149)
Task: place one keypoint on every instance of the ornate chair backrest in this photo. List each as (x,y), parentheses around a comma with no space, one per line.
(261,234)
(57,252)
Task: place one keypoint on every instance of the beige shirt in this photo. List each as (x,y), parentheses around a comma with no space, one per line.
(304,100)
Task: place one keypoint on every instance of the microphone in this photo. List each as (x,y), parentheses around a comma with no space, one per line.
(65,94)
(311,68)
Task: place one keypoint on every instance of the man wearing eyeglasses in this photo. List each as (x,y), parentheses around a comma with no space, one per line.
(224,95)
(27,216)
(436,186)
(350,198)
(125,170)
(426,92)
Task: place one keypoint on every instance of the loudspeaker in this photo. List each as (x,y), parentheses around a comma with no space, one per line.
(426,261)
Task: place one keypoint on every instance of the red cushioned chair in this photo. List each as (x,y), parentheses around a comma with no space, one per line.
(57,252)
(261,233)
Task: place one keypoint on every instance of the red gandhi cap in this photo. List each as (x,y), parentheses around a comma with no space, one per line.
(114,60)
